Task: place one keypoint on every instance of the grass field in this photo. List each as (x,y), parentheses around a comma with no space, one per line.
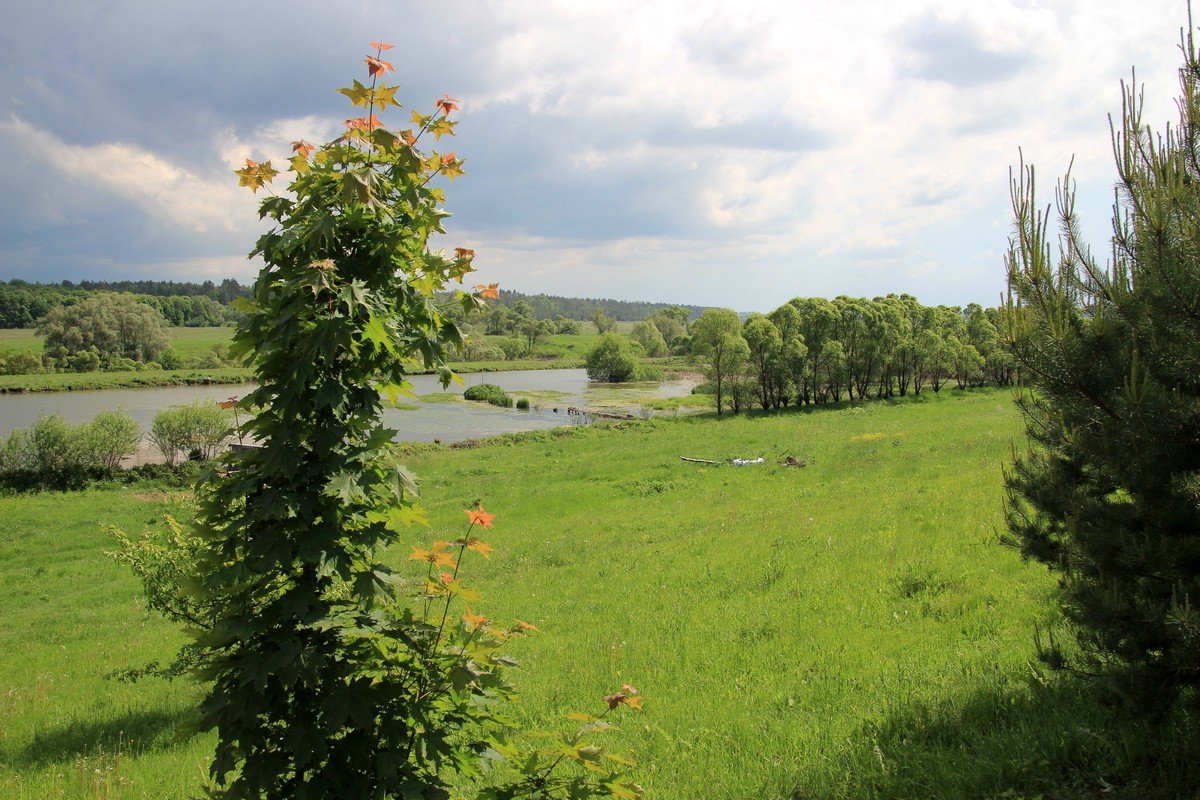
(850,629)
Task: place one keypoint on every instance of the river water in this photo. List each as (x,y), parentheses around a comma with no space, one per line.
(445,421)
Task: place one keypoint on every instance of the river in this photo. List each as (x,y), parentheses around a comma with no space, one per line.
(447,421)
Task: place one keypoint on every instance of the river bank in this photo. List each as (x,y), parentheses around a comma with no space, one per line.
(91,381)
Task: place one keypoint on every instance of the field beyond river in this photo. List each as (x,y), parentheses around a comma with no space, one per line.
(847,628)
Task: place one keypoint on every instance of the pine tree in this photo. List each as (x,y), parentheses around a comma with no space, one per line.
(1108,493)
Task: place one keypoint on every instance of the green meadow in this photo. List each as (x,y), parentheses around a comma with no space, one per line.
(848,629)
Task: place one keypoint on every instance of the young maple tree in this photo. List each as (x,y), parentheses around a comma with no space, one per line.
(325,679)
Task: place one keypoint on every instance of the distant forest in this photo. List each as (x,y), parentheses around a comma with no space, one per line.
(188,304)
(206,304)
(549,306)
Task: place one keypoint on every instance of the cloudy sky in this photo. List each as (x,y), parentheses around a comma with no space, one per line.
(717,153)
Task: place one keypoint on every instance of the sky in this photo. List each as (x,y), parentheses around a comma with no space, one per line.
(711,153)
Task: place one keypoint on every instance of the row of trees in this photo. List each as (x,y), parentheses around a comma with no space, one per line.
(549,306)
(813,350)
(23,304)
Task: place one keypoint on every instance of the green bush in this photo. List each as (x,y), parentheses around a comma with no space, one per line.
(512,348)
(523,403)
(19,362)
(489,393)
(171,359)
(195,430)
(614,359)
(108,438)
(52,453)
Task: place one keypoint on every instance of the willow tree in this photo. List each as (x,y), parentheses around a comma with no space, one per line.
(1108,493)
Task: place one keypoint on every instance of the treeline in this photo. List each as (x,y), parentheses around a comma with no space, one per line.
(813,350)
(549,306)
(189,305)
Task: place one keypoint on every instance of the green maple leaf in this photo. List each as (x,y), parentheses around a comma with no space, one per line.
(442,127)
(385,96)
(359,95)
(376,331)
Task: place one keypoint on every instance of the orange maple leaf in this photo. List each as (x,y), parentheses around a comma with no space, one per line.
(302,147)
(377,66)
(474,620)
(370,123)
(490,291)
(620,698)
(438,556)
(449,158)
(479,517)
(524,626)
(381,45)
(463,252)
(447,104)
(475,543)
(409,137)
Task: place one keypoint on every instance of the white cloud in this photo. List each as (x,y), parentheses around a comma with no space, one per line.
(833,147)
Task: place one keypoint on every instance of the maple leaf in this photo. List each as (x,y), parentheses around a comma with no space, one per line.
(409,137)
(447,104)
(254,174)
(385,96)
(359,123)
(302,147)
(621,698)
(376,66)
(442,127)
(451,165)
(381,46)
(359,94)
(474,620)
(438,556)
(629,688)
(479,517)
(490,291)
(475,543)
(519,625)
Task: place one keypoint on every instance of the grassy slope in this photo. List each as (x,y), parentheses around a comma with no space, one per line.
(850,629)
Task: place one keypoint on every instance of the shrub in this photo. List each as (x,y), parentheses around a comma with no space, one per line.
(19,362)
(52,453)
(512,348)
(45,447)
(171,359)
(614,359)
(523,403)
(198,428)
(488,393)
(108,438)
